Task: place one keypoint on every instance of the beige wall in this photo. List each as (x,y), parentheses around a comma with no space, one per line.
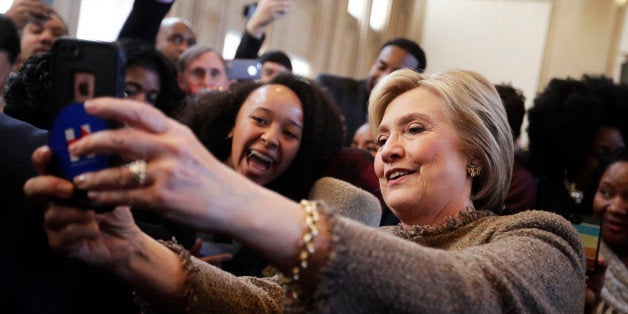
(584,36)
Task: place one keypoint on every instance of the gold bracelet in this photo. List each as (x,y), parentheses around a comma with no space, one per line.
(307,248)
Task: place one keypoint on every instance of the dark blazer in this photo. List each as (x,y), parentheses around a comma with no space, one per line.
(352,97)
(18,139)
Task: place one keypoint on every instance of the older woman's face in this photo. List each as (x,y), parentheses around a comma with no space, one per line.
(611,204)
(421,171)
(267,133)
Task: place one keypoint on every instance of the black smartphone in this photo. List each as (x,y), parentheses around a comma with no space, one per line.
(588,228)
(244,69)
(82,70)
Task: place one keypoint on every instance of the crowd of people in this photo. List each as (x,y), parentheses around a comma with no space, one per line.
(400,192)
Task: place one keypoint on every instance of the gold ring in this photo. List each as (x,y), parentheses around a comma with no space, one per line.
(138,170)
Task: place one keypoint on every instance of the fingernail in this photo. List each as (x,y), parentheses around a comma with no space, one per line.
(79,181)
(43,151)
(65,188)
(72,148)
(93,194)
(87,104)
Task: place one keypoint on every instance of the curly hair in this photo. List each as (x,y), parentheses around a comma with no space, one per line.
(565,118)
(514,102)
(212,116)
(563,123)
(27,93)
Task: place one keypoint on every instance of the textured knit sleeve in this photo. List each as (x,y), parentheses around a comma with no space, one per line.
(209,289)
(529,262)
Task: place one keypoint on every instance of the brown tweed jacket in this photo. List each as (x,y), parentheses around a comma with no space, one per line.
(475,263)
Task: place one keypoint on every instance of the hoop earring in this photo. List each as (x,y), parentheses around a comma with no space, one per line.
(473,170)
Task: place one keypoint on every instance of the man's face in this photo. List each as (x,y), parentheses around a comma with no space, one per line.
(173,39)
(37,38)
(390,58)
(206,72)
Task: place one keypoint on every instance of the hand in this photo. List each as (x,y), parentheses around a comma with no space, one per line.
(184,182)
(23,11)
(594,284)
(105,240)
(266,12)
(215,260)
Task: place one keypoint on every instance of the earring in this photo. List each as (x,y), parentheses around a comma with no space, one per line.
(473,170)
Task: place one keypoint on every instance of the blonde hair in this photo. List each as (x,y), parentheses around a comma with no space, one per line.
(474,108)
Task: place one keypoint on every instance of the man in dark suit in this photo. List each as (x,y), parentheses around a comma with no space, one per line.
(352,95)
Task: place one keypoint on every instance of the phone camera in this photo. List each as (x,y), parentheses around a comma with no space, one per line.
(251,70)
(70,50)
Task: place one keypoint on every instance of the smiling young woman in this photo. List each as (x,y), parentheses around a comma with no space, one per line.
(278,134)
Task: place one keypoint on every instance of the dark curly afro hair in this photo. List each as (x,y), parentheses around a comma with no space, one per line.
(565,118)
(27,93)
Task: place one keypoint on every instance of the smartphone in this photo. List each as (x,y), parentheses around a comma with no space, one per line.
(81,70)
(588,228)
(244,69)
(249,9)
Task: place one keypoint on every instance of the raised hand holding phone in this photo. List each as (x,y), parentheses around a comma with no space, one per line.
(81,70)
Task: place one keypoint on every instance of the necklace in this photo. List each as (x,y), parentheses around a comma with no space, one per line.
(575,194)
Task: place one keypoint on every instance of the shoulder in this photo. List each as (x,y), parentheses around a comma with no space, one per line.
(538,218)
(536,223)
(347,200)
(19,139)
(331,81)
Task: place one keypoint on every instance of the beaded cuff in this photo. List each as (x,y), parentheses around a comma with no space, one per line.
(307,247)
